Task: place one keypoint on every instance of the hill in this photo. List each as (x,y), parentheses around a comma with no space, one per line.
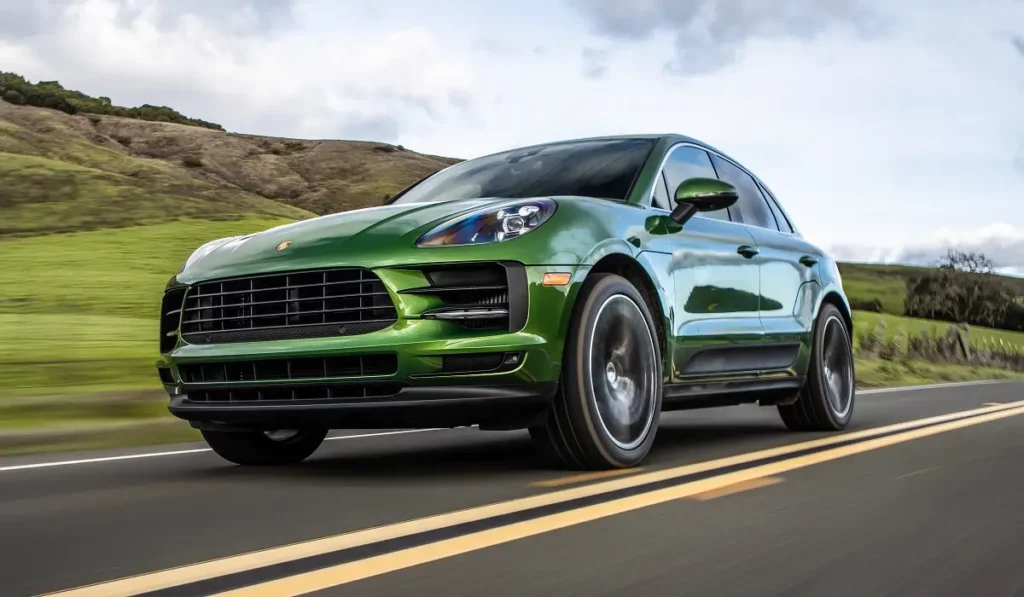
(61,172)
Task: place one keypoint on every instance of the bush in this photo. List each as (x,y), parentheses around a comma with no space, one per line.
(191,161)
(873,304)
(11,96)
(51,94)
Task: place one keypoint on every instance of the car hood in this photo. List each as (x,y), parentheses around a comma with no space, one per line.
(314,241)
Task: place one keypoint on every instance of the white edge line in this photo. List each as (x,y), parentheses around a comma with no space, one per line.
(933,386)
(23,467)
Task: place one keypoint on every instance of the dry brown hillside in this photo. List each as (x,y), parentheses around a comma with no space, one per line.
(60,172)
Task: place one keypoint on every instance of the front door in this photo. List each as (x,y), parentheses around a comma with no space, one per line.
(716,281)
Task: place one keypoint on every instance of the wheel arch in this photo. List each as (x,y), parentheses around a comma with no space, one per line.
(639,276)
(833,297)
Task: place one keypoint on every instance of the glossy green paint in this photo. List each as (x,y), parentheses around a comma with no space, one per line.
(707,293)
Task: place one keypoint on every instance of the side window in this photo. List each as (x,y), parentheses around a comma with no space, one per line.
(690,162)
(752,206)
(780,217)
(661,198)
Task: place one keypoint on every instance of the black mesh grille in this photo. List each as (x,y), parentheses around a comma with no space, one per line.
(315,304)
(289,369)
(307,393)
(170,314)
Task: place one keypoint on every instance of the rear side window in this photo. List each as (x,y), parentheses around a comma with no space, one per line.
(780,217)
(752,207)
(690,162)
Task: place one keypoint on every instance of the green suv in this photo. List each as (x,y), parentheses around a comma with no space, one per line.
(575,289)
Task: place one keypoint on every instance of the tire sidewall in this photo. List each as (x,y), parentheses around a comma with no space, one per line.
(578,371)
(828,312)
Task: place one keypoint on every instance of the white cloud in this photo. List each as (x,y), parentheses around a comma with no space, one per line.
(877,123)
(1003,243)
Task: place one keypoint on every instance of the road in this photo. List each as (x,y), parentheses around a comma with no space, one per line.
(922,495)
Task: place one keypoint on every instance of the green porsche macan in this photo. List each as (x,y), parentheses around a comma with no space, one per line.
(576,289)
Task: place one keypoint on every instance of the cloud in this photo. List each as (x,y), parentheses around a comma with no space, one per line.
(875,122)
(709,34)
(257,66)
(595,63)
(1002,243)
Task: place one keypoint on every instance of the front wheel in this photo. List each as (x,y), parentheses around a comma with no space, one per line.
(255,448)
(826,400)
(607,409)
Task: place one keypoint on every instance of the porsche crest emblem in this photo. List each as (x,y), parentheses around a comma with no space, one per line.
(284,245)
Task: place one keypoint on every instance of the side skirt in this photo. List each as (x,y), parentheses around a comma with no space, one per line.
(709,394)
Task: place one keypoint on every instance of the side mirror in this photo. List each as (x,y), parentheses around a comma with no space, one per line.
(702,194)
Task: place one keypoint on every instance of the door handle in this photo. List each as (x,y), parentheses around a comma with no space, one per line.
(747,251)
(808,260)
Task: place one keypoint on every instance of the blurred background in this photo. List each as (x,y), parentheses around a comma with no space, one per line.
(133,132)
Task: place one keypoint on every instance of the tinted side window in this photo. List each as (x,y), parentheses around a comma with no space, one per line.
(690,162)
(780,217)
(752,208)
(661,198)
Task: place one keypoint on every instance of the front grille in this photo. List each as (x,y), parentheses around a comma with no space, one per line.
(307,393)
(313,304)
(289,369)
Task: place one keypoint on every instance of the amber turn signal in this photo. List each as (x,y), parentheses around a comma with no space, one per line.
(556,279)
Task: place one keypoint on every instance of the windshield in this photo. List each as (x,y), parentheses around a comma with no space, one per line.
(603,169)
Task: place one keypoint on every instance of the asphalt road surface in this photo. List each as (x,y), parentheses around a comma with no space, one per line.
(922,495)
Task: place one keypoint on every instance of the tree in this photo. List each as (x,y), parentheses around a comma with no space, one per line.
(964,261)
(963,289)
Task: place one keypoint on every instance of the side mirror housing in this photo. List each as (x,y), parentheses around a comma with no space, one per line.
(702,194)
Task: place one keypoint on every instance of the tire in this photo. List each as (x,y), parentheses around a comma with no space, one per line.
(827,399)
(256,448)
(605,414)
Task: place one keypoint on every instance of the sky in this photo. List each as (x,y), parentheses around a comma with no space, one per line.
(890,131)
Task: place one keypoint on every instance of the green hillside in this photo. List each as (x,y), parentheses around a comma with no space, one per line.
(63,173)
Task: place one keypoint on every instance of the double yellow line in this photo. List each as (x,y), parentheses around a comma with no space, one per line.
(785,458)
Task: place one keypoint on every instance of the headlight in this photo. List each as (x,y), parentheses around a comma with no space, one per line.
(491,224)
(205,250)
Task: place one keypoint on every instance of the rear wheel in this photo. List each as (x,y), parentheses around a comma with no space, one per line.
(606,412)
(826,400)
(256,448)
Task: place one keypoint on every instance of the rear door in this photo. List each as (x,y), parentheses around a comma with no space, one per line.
(788,276)
(715,279)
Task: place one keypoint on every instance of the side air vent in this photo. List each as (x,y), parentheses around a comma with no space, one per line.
(478,296)
(170,317)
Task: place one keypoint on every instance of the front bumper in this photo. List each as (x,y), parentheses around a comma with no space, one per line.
(420,390)
(495,407)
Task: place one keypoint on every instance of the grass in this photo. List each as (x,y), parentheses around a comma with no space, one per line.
(866,321)
(79,312)
(876,373)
